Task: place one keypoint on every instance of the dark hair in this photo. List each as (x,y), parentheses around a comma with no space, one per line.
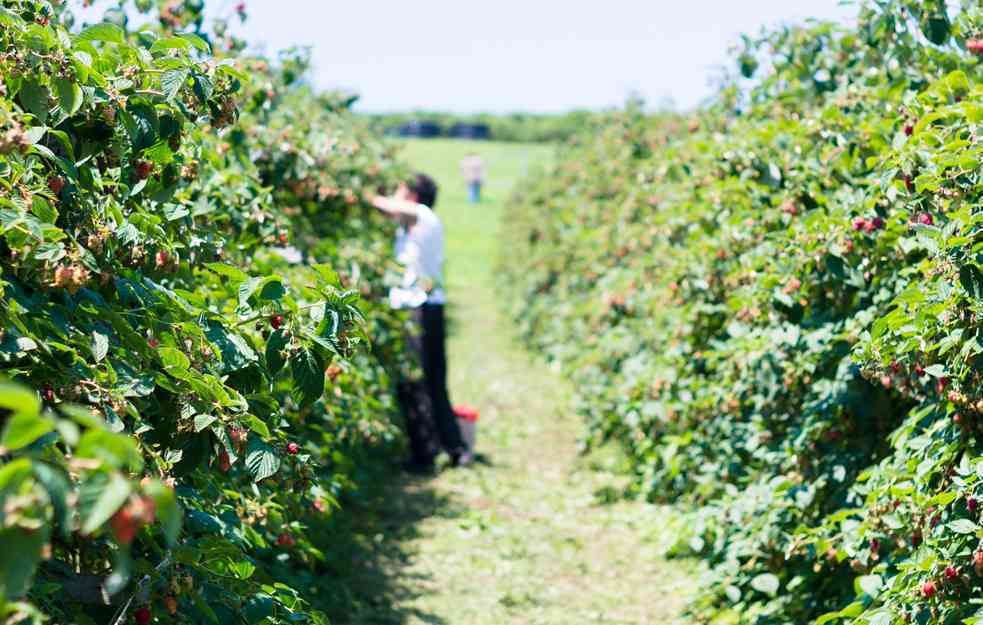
(425,189)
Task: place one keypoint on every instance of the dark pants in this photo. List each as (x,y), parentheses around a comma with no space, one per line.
(429,415)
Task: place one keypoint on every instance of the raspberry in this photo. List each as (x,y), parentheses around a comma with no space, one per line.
(909,129)
(285,540)
(276,321)
(928,589)
(925,219)
(972,504)
(293,448)
(160,260)
(859,224)
(951,572)
(153,343)
(56,184)
(124,525)
(142,616)
(143,169)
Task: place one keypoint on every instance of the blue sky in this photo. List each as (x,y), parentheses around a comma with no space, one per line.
(509,55)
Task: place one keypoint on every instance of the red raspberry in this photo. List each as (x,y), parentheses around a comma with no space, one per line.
(153,343)
(972,504)
(124,525)
(859,224)
(276,321)
(285,540)
(928,589)
(909,129)
(143,169)
(925,219)
(56,184)
(951,572)
(142,616)
(160,260)
(293,448)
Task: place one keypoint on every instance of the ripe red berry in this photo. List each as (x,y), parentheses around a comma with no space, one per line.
(283,238)
(972,504)
(293,448)
(124,525)
(56,184)
(48,394)
(143,169)
(153,343)
(928,589)
(886,381)
(859,223)
(142,616)
(276,321)
(925,219)
(241,7)
(909,129)
(919,370)
(285,540)
(161,258)
(951,572)
(877,223)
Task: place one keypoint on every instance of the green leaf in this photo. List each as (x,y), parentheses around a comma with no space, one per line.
(257,608)
(261,460)
(35,99)
(870,584)
(766,583)
(274,346)
(172,82)
(963,526)
(21,549)
(100,496)
(103,32)
(307,368)
(18,399)
(69,95)
(174,361)
(100,345)
(971,279)
(23,429)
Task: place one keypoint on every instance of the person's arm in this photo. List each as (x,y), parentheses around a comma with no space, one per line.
(401,210)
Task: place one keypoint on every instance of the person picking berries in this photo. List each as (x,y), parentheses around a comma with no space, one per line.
(420,249)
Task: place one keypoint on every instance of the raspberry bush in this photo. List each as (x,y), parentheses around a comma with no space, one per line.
(774,307)
(186,401)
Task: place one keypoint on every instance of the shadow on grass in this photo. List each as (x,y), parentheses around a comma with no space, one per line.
(366,580)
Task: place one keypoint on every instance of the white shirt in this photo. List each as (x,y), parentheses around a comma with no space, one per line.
(420,249)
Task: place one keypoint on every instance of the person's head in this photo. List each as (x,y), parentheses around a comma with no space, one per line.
(421,189)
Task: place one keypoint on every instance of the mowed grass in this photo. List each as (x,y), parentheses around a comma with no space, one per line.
(524,537)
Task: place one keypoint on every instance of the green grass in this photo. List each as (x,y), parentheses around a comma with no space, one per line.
(531,535)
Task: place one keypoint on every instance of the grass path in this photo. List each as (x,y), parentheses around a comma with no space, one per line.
(523,538)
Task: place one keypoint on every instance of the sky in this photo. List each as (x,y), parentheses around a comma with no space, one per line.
(518,55)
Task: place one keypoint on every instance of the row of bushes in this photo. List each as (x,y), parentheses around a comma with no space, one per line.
(517,127)
(775,308)
(192,324)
